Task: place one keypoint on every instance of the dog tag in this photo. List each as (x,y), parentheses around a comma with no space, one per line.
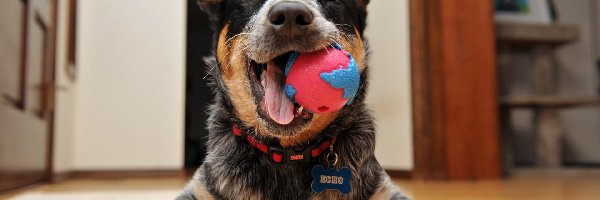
(331,179)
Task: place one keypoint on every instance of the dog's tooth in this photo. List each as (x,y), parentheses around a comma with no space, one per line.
(301,109)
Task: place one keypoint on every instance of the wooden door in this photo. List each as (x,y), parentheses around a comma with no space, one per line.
(455,101)
(26,89)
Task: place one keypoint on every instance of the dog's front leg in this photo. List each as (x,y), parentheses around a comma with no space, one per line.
(388,190)
(195,189)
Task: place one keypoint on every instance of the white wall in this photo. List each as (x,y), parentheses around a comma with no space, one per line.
(130,90)
(390,89)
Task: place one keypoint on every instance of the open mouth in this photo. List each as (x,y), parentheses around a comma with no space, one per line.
(268,81)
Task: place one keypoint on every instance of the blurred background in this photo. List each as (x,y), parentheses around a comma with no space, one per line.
(503,94)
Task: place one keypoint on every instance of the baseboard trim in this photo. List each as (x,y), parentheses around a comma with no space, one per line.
(400,174)
(60,177)
(117,174)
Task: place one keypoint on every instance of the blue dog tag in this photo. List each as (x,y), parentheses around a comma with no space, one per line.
(331,179)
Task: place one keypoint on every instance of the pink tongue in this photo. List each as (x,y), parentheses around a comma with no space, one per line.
(279,107)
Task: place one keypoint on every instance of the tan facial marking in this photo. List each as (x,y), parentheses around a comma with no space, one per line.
(356,47)
(234,69)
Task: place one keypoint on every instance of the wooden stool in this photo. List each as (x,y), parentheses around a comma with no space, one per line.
(542,40)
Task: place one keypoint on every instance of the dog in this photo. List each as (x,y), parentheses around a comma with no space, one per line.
(255,150)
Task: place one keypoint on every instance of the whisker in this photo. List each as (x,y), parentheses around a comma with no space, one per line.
(208,73)
(343,25)
(235,36)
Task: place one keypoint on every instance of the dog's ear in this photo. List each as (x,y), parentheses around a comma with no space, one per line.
(363,3)
(211,7)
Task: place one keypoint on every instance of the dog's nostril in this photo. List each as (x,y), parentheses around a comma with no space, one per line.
(302,20)
(278,19)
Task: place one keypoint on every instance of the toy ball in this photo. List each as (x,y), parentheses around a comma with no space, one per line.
(323,81)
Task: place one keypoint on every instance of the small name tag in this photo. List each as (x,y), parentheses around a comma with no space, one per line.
(331,179)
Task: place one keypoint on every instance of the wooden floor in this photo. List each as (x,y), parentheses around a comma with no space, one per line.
(530,189)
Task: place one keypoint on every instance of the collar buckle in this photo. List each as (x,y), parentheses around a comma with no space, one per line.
(289,156)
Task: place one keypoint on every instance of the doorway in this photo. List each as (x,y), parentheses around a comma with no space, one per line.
(198,95)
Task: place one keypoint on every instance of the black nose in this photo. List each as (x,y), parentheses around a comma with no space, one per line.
(290,19)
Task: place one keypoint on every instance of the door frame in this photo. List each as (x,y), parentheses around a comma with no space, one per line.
(454,95)
(51,89)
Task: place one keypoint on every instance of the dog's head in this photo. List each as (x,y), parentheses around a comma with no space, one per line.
(254,40)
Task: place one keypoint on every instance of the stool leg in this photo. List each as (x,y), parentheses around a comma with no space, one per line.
(507,142)
(548,147)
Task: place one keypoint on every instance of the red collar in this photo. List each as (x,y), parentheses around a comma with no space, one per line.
(281,155)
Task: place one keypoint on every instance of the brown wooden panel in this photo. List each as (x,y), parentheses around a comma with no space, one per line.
(454,89)
(429,143)
(470,89)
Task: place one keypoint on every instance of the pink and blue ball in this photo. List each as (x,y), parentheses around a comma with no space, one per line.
(323,81)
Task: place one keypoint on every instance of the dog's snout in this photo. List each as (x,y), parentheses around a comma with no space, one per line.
(282,26)
(290,19)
